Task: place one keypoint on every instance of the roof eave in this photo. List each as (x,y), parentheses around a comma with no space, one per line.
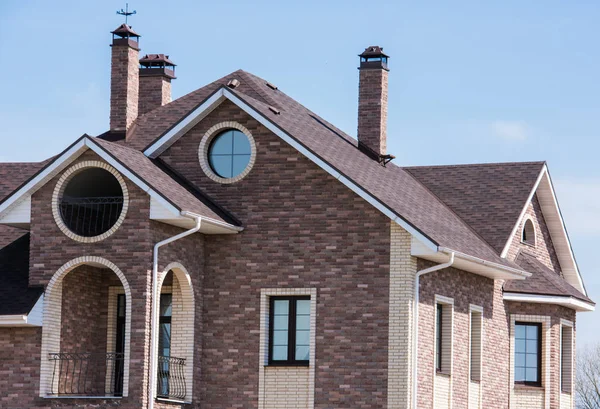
(565,301)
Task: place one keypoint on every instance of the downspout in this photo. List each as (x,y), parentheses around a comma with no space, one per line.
(153,326)
(415,348)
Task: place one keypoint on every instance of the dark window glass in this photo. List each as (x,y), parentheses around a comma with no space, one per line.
(438,338)
(528,343)
(289,336)
(229,153)
(164,343)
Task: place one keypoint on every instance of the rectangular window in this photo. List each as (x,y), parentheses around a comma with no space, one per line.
(164,344)
(443,336)
(566,358)
(289,330)
(438,337)
(528,353)
(476,343)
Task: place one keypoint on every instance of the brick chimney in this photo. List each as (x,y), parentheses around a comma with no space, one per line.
(156,73)
(124,78)
(372,100)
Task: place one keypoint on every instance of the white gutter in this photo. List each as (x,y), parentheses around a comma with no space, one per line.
(415,348)
(153,326)
(565,301)
(521,273)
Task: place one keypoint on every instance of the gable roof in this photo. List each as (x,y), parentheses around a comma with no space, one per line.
(391,189)
(488,197)
(16,295)
(136,167)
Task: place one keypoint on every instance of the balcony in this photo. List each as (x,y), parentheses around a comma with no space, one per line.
(90,216)
(171,378)
(87,374)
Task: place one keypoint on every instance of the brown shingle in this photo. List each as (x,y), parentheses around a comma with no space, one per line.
(543,281)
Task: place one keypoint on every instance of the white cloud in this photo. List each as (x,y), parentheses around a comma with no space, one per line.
(511,130)
(580,205)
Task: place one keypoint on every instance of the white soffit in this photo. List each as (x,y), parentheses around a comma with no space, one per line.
(33,319)
(19,215)
(162,143)
(558,233)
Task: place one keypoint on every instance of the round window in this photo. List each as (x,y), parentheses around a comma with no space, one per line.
(91,202)
(229,153)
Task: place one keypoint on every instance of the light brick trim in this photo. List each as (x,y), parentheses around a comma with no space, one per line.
(60,188)
(531,398)
(205,144)
(442,382)
(566,364)
(280,387)
(51,329)
(476,341)
(403,268)
(182,319)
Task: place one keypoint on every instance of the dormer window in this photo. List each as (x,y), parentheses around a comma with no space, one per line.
(528,234)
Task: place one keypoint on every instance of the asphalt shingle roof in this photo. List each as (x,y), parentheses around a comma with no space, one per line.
(488,197)
(543,280)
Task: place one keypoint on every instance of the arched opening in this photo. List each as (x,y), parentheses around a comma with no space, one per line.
(175,346)
(91,202)
(528,234)
(85,336)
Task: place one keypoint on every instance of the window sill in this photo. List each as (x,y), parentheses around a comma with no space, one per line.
(528,244)
(81,397)
(566,392)
(528,387)
(288,365)
(177,401)
(442,373)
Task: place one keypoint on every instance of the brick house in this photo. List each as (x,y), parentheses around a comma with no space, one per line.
(232,249)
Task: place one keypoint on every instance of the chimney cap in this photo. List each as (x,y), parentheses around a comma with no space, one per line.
(125,31)
(373,51)
(156,60)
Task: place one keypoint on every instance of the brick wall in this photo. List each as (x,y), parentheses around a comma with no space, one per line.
(155,91)
(129,248)
(124,86)
(302,229)
(372,109)
(544,249)
(465,289)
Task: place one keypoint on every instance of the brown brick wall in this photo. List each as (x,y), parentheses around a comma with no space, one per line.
(465,288)
(124,86)
(556,313)
(544,248)
(302,229)
(155,91)
(372,109)
(129,248)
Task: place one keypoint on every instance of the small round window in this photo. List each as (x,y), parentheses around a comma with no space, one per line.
(229,153)
(91,202)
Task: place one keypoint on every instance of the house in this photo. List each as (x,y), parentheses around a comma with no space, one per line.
(233,249)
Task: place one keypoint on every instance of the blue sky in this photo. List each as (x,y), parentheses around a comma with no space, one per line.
(470,81)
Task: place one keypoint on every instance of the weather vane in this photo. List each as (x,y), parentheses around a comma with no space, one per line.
(126,12)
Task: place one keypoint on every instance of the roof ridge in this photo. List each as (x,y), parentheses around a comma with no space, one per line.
(458,165)
(253,82)
(451,210)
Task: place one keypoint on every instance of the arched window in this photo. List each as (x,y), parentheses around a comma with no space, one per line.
(528,234)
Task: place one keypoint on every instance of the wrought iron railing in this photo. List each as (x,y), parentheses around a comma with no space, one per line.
(171,378)
(87,374)
(90,216)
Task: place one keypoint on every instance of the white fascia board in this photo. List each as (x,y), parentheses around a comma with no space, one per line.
(523,211)
(186,123)
(565,301)
(50,171)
